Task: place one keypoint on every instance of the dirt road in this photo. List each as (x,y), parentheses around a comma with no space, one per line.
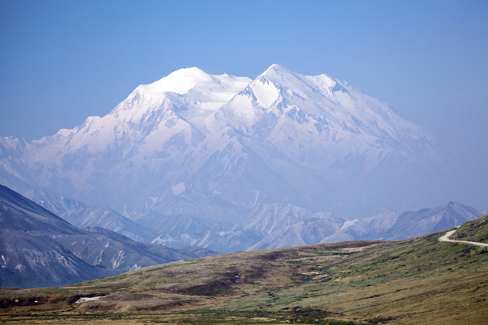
(449,233)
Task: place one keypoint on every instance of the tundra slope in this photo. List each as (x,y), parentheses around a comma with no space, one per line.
(413,281)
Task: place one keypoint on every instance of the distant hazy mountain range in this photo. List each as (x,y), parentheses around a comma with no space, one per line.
(39,249)
(222,162)
(293,227)
(389,226)
(81,215)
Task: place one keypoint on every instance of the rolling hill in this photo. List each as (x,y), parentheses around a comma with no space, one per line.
(414,281)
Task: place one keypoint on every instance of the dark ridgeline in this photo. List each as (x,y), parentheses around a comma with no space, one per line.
(39,249)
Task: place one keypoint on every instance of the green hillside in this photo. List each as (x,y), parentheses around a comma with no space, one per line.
(476,230)
(416,281)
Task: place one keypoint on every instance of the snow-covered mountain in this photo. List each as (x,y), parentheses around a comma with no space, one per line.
(254,155)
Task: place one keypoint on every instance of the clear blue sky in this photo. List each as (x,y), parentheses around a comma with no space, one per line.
(61,61)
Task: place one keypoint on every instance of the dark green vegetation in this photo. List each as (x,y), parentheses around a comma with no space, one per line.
(416,281)
(476,231)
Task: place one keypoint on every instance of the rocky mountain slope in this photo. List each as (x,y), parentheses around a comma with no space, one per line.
(37,248)
(29,255)
(81,215)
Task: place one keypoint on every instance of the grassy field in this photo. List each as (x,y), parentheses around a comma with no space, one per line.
(416,281)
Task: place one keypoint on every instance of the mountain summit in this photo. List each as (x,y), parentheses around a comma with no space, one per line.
(233,150)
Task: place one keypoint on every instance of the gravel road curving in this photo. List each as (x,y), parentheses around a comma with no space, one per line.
(449,233)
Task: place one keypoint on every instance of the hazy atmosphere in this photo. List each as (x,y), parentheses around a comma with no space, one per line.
(244,162)
(62,61)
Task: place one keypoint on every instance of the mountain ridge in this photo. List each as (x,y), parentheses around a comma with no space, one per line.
(81,215)
(39,249)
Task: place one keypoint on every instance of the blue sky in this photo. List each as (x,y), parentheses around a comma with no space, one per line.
(61,61)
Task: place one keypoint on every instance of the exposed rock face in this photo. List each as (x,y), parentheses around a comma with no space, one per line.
(30,255)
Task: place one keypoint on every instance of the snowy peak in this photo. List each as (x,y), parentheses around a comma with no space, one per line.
(198,85)
(264,96)
(286,83)
(327,101)
(278,72)
(191,94)
(306,87)
(155,112)
(278,90)
(180,81)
